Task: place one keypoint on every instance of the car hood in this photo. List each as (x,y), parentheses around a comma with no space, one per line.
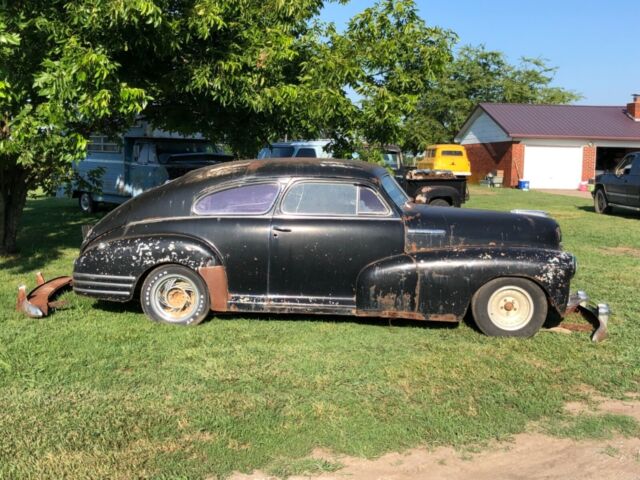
(440,227)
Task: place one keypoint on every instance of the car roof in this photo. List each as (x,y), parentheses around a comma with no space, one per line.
(285,167)
(300,143)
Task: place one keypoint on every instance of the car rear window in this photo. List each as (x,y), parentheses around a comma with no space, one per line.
(452,153)
(245,200)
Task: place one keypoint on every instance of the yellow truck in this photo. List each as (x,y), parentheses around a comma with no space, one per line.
(446,157)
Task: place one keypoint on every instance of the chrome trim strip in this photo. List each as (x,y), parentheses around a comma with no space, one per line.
(627,207)
(426,231)
(534,213)
(103,284)
(103,292)
(100,276)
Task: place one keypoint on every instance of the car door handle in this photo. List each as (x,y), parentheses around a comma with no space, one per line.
(281,229)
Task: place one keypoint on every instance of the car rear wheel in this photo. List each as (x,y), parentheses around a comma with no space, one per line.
(509,307)
(176,295)
(439,202)
(600,202)
(87,205)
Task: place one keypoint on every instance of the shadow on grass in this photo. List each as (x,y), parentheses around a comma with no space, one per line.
(615,212)
(49,226)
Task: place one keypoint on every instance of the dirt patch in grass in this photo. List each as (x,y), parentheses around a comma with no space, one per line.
(529,455)
(626,251)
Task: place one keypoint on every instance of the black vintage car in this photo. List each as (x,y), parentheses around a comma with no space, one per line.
(619,188)
(322,236)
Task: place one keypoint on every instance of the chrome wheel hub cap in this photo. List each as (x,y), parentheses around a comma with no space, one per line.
(175,298)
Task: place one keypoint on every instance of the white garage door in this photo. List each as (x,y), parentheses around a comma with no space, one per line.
(553,167)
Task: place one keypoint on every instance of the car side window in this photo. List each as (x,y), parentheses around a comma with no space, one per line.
(624,167)
(315,198)
(245,200)
(369,203)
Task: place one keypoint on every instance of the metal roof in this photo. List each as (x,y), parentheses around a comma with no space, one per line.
(563,121)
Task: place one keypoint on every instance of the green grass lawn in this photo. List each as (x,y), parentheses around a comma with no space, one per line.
(98,391)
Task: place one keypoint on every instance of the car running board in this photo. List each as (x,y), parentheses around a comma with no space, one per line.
(40,301)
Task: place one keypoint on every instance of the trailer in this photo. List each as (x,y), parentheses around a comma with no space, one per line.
(117,169)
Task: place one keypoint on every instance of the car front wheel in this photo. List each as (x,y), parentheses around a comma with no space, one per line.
(176,295)
(600,202)
(509,307)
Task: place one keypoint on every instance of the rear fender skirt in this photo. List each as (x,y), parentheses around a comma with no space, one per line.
(439,284)
(129,259)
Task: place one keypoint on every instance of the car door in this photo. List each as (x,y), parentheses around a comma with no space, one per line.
(322,235)
(632,182)
(144,170)
(616,186)
(236,221)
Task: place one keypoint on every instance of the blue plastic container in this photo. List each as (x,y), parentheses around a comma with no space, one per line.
(523,185)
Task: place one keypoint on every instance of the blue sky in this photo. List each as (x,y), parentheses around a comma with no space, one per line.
(591,42)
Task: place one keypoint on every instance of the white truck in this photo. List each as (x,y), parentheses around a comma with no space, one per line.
(115,170)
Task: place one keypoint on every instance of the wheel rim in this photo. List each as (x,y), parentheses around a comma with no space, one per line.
(85,201)
(175,298)
(510,308)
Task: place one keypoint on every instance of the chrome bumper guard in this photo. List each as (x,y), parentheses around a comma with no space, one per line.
(595,313)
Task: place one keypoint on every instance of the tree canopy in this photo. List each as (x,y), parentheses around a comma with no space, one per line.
(242,72)
(477,75)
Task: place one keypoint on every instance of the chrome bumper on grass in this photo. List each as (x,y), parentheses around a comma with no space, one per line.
(595,313)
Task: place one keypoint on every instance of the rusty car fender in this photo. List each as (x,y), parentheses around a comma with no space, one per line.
(439,284)
(112,269)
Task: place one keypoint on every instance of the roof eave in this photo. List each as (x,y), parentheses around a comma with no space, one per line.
(472,117)
(517,136)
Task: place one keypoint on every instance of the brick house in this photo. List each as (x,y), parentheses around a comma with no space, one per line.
(551,146)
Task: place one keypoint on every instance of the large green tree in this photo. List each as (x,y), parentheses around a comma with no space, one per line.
(478,75)
(240,71)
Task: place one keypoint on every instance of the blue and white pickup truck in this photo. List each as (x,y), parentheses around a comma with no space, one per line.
(118,169)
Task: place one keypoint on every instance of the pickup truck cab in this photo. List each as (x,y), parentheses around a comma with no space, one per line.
(619,188)
(440,188)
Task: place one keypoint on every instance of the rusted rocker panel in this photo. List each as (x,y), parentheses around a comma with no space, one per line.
(39,301)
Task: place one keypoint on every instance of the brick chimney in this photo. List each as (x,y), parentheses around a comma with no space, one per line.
(633,108)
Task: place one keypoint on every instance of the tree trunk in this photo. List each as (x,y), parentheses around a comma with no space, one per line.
(13,196)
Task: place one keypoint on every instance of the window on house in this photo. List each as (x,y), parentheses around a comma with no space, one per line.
(102,143)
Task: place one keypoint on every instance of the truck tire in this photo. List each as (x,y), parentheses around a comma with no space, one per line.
(600,202)
(440,202)
(87,205)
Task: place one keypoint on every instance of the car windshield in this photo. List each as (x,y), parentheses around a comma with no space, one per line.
(394,191)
